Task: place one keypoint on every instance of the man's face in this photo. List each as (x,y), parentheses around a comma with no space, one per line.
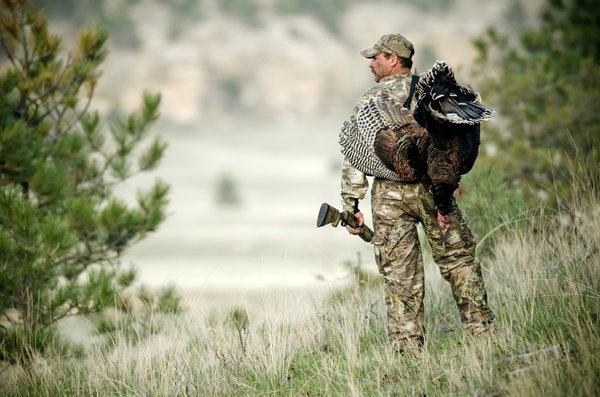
(381,66)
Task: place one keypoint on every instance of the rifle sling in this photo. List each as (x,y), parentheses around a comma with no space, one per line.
(413,86)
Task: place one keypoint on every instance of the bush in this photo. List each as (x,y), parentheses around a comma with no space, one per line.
(327,11)
(246,11)
(226,191)
(114,16)
(490,204)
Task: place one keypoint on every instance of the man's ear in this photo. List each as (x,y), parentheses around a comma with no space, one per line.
(395,60)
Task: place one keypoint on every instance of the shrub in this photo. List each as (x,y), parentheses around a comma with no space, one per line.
(226,191)
(490,204)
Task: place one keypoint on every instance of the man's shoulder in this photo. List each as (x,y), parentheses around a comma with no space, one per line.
(395,87)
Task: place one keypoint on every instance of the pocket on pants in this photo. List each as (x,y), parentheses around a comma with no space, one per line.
(391,194)
(454,236)
(459,234)
(379,235)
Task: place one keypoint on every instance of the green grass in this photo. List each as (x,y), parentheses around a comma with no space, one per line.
(543,281)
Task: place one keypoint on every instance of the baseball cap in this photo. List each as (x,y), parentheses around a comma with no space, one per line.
(390,44)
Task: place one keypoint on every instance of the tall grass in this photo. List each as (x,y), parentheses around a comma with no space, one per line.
(543,282)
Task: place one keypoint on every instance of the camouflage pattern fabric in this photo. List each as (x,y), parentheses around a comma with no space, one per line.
(397,208)
(390,44)
(354,186)
(396,87)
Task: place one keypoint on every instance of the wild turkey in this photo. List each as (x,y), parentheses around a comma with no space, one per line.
(445,105)
(450,112)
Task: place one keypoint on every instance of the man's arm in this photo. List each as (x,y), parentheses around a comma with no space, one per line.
(353,188)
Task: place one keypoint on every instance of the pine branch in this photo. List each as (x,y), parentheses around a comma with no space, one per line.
(14,61)
(23,26)
(50,91)
(80,115)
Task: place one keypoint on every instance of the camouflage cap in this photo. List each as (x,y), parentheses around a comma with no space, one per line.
(390,44)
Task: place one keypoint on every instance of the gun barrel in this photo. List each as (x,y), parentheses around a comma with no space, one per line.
(365,232)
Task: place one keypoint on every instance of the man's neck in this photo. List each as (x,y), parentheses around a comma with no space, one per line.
(399,70)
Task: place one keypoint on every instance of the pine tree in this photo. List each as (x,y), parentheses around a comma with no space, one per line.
(62,228)
(544,84)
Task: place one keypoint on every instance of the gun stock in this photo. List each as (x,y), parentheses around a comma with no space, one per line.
(330,215)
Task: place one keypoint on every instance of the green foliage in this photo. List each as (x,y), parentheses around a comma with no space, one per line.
(17,343)
(543,86)
(135,321)
(226,191)
(361,281)
(426,57)
(515,14)
(490,204)
(327,11)
(238,318)
(112,15)
(231,89)
(166,300)
(127,327)
(430,4)
(246,11)
(62,231)
(116,16)
(183,13)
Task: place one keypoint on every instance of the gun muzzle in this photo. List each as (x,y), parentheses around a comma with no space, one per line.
(330,215)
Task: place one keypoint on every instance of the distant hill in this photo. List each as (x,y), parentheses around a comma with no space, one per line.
(270,58)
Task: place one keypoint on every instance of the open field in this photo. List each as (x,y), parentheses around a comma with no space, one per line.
(282,172)
(543,282)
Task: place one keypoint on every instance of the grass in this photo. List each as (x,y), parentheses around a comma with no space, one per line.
(543,281)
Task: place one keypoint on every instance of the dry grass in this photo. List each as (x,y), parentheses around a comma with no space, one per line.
(544,285)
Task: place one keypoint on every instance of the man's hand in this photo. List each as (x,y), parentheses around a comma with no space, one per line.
(444,222)
(361,221)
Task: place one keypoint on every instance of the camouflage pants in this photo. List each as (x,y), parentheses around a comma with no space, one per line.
(397,209)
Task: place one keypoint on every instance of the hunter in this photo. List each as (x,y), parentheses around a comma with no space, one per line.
(397,208)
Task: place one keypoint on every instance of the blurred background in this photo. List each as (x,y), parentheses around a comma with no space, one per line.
(253,95)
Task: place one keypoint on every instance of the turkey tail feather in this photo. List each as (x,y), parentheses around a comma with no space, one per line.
(465,110)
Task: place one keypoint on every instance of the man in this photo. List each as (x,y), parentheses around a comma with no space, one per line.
(399,205)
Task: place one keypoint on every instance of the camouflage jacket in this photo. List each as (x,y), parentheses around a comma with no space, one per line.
(426,160)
